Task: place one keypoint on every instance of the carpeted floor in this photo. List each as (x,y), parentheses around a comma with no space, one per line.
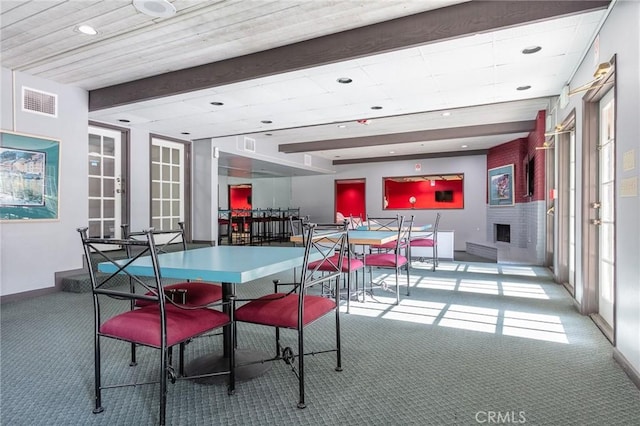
(474,342)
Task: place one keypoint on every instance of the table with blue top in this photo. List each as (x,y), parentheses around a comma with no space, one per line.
(229,265)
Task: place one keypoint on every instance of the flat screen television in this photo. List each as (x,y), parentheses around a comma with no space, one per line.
(444,196)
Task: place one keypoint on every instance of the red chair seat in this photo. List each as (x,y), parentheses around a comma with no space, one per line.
(328,264)
(423,242)
(143,325)
(384,260)
(281,310)
(198,293)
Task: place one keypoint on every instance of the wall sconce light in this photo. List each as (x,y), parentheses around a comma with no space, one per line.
(600,73)
(412,201)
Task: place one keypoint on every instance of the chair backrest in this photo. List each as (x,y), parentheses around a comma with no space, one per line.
(331,241)
(355,222)
(296,225)
(104,284)
(390,223)
(165,240)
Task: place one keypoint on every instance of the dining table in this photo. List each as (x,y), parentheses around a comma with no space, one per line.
(230,266)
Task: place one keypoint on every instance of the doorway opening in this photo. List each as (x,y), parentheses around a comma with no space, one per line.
(350,200)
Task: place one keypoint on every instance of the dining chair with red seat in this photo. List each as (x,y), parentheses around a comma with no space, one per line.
(302,302)
(188,293)
(429,240)
(160,324)
(392,258)
(350,265)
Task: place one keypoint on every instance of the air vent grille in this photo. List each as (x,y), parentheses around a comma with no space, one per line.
(249,144)
(39,102)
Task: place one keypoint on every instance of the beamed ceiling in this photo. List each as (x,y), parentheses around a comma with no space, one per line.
(428,78)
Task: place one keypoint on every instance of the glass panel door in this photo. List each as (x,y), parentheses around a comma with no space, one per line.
(105,182)
(572,211)
(606,220)
(167,184)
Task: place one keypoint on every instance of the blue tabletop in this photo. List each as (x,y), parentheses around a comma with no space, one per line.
(229,264)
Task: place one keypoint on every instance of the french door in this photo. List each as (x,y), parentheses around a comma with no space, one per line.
(606,209)
(168,183)
(106,187)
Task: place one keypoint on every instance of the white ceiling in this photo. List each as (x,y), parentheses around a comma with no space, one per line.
(473,77)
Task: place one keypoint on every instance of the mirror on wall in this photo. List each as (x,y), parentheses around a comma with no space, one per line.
(444,191)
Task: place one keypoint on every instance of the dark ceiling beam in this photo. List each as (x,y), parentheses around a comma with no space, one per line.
(411,137)
(428,27)
(411,157)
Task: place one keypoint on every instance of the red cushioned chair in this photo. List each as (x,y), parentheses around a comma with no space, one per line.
(429,240)
(350,265)
(392,257)
(160,324)
(198,293)
(387,224)
(303,304)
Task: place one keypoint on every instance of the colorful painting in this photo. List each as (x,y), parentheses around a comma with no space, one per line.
(29,168)
(500,186)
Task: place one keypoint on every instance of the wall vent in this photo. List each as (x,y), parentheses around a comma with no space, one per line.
(307,160)
(39,102)
(249,144)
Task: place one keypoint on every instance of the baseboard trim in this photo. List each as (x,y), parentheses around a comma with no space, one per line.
(633,374)
(27,294)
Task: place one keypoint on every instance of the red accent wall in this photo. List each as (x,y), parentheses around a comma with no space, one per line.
(239,198)
(350,199)
(398,194)
(518,152)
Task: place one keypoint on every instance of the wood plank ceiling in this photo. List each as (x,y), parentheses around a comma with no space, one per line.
(275,64)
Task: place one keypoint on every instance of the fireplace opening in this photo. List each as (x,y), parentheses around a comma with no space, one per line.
(503,233)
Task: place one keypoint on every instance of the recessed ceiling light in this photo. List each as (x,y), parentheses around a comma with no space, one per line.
(124,120)
(446,114)
(344,80)
(531,49)
(216,103)
(86,29)
(392,152)
(376,107)
(527,87)
(155,8)
(266,121)
(342,126)
(464,146)
(268,134)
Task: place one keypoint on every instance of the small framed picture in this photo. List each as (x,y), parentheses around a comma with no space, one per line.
(500,186)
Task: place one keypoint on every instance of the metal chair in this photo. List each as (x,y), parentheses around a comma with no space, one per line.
(198,293)
(429,240)
(160,324)
(391,257)
(298,308)
(350,265)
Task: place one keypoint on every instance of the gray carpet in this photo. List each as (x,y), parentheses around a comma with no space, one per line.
(473,340)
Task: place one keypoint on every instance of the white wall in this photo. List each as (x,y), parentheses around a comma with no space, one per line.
(27,258)
(315,194)
(619,36)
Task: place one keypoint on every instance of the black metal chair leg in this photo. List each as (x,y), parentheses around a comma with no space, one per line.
(98,384)
(301,403)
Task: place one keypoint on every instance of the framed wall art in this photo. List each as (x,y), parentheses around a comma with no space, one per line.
(500,186)
(29,177)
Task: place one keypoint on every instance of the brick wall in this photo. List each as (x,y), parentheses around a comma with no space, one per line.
(527,216)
